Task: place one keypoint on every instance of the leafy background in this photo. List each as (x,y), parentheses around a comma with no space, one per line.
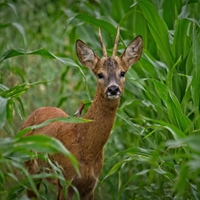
(153,151)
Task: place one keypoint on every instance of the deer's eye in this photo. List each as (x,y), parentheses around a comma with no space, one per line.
(122,74)
(100,75)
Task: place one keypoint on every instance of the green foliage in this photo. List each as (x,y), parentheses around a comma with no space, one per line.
(153,151)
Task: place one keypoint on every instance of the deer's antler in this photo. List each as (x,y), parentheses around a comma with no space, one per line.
(102,44)
(116,42)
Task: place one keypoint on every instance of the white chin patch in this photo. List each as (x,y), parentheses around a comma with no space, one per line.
(113,96)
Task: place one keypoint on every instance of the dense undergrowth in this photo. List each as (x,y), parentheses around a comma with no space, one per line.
(153,151)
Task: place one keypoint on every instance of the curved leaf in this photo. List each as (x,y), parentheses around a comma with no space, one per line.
(158,30)
(43,143)
(58,119)
(93,21)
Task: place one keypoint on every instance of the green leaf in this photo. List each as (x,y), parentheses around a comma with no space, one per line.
(176,132)
(58,119)
(158,30)
(42,52)
(107,26)
(43,143)
(161,90)
(182,181)
(176,115)
(169,79)
(148,67)
(134,151)
(17,52)
(3,106)
(196,75)
(135,128)
(134,154)
(13,7)
(20,28)
(181,42)
(114,169)
(19,166)
(16,91)
(174,109)
(193,142)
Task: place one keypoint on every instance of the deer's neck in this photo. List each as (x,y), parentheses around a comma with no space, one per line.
(96,133)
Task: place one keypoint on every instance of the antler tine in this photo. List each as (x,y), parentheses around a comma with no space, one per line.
(116,42)
(102,44)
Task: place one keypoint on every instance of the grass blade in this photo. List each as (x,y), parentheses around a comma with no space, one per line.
(158,30)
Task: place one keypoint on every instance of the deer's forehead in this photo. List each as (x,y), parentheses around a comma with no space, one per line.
(110,64)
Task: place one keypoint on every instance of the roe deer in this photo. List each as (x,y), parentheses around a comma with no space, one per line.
(86,140)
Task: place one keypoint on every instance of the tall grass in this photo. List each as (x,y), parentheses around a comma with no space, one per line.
(153,151)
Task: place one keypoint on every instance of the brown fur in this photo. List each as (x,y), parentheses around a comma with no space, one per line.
(86,141)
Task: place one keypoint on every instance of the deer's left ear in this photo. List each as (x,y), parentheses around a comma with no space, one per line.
(132,52)
(86,56)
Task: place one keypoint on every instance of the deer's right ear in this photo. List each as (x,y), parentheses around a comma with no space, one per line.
(86,56)
(132,52)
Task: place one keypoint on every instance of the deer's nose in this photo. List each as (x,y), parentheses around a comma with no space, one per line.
(113,91)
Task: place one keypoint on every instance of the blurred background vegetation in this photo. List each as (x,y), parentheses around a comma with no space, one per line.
(153,151)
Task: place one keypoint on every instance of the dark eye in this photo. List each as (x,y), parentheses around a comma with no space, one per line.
(122,74)
(100,75)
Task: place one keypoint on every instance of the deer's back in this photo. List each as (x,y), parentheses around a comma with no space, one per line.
(41,115)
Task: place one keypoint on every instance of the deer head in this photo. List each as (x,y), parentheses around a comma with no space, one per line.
(110,71)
